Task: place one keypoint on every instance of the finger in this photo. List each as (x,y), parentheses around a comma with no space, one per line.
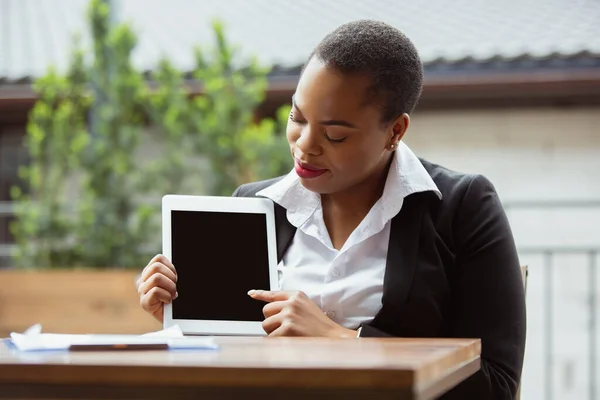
(158,314)
(159,258)
(271,324)
(160,281)
(269,296)
(158,268)
(155,299)
(273,308)
(285,329)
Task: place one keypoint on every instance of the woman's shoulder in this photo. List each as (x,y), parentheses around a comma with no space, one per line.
(455,185)
(250,189)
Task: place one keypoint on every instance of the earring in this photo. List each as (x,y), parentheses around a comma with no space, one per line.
(393,146)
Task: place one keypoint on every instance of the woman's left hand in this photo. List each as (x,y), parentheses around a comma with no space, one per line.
(294,314)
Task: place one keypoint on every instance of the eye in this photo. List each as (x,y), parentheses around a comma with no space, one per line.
(334,140)
(297,121)
(293,119)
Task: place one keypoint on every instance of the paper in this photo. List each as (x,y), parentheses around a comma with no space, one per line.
(33,340)
(172,332)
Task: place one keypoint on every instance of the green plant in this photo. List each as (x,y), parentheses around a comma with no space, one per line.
(238,149)
(92,194)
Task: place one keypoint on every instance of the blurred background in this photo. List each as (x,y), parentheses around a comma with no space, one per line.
(107,105)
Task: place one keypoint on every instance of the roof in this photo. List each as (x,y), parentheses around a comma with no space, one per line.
(37,33)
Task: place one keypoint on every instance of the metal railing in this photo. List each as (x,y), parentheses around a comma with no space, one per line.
(549,254)
(6,249)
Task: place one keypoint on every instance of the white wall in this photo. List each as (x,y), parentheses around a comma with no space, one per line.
(531,155)
(528,154)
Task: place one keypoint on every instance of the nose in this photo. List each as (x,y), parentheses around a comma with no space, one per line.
(309,141)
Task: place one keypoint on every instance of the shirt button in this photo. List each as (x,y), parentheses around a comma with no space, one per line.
(335,272)
(330,314)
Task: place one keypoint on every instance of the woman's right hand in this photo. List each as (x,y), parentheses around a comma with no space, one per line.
(156,286)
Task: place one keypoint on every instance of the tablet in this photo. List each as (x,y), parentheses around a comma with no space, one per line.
(221,248)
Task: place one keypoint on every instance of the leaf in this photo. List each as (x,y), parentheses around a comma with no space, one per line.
(106,144)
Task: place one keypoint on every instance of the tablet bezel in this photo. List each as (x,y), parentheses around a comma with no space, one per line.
(219,204)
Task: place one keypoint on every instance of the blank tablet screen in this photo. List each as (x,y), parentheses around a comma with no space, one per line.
(219,257)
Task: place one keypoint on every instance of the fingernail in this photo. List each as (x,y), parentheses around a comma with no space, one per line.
(176,295)
(251,292)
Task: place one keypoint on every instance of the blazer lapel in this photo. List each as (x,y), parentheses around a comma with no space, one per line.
(403,247)
(283,230)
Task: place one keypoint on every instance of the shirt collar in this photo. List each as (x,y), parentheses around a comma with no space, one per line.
(406,176)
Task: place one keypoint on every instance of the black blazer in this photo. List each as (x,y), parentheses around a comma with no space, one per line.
(452,271)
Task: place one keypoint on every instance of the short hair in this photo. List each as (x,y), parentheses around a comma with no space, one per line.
(382,52)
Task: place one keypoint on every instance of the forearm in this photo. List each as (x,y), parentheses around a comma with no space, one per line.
(490,382)
(367,330)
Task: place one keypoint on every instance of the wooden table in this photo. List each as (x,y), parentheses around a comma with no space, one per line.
(286,368)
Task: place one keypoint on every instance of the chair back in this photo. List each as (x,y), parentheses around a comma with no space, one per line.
(524,275)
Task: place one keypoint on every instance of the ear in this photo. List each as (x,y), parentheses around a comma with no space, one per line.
(398,128)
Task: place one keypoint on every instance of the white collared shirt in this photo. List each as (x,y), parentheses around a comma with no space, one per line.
(347,284)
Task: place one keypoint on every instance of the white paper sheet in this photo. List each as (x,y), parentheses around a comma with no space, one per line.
(34,340)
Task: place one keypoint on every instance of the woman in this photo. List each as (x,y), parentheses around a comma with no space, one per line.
(372,240)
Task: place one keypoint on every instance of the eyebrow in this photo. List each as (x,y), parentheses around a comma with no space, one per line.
(330,122)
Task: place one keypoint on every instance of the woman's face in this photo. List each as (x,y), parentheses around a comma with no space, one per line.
(336,138)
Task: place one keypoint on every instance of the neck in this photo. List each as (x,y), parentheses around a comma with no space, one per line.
(360,198)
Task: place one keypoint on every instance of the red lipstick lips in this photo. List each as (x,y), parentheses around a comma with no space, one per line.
(307,171)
